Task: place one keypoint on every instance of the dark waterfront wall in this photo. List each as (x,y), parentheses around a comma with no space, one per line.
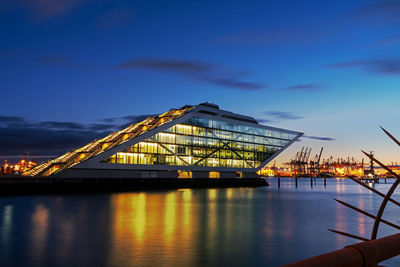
(31,185)
(121,173)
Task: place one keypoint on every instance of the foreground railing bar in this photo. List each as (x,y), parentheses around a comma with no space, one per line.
(368,253)
(390,135)
(367,214)
(349,235)
(374,190)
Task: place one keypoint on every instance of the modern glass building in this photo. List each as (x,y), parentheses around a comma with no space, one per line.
(191,142)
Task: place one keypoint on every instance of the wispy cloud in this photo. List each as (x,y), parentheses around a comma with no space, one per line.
(319,138)
(115,17)
(129,118)
(198,71)
(262,36)
(66,62)
(233,82)
(263,120)
(305,87)
(282,115)
(392,40)
(43,10)
(54,60)
(386,66)
(169,65)
(379,12)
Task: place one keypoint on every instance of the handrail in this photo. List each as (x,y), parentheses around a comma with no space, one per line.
(365,254)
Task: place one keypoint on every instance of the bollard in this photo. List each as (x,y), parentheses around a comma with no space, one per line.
(311,182)
(325,181)
(296,181)
(279,182)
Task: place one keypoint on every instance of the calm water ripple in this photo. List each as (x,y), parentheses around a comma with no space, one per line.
(267,226)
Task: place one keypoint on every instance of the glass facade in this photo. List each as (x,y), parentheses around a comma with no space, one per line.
(206,143)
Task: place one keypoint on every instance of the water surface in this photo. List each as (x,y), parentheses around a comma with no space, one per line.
(267,226)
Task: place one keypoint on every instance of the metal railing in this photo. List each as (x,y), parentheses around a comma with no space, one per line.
(371,251)
(365,254)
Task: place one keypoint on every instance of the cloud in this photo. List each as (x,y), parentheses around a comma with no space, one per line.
(305,87)
(54,60)
(263,120)
(101,127)
(379,12)
(198,71)
(36,140)
(234,82)
(43,10)
(115,17)
(393,40)
(283,115)
(262,36)
(19,135)
(169,65)
(319,138)
(136,118)
(60,125)
(11,119)
(129,118)
(64,62)
(386,66)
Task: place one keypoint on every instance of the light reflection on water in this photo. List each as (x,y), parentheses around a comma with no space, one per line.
(188,227)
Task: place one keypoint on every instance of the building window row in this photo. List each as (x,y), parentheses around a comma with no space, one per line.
(177,138)
(151,159)
(216,124)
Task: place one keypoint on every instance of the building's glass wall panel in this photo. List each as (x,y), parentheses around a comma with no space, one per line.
(206,143)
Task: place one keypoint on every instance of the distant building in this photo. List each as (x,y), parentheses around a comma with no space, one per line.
(191,142)
(17,168)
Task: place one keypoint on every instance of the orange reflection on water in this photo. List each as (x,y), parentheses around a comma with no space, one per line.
(361,220)
(129,225)
(341,225)
(212,194)
(187,206)
(340,187)
(169,218)
(152,224)
(39,233)
(211,219)
(186,194)
(229,193)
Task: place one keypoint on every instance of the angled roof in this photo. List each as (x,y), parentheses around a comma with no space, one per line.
(74,157)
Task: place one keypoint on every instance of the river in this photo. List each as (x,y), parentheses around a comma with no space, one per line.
(267,226)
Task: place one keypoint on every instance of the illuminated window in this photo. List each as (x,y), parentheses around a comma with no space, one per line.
(185,174)
(213,175)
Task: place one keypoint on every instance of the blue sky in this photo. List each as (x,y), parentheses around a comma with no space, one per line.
(326,68)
